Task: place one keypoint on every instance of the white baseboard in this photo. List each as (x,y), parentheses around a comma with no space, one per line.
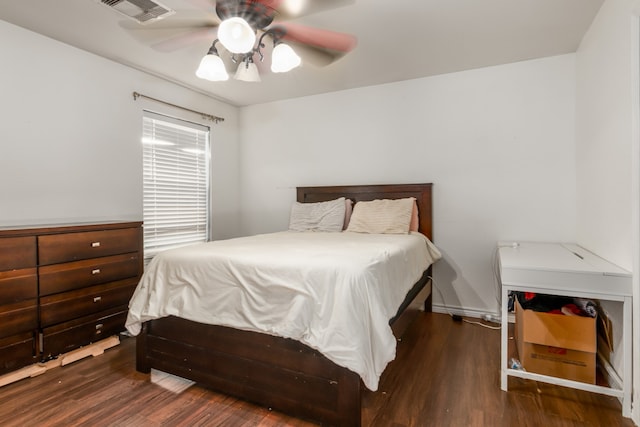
(478,314)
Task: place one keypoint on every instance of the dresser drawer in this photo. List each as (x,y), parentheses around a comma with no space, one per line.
(68,336)
(18,317)
(17,351)
(18,285)
(57,248)
(82,302)
(17,252)
(79,274)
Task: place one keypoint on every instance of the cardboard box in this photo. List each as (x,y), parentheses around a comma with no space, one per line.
(557,345)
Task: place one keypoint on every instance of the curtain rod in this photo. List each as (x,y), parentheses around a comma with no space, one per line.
(213,118)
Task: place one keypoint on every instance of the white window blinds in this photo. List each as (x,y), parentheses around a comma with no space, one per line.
(176,177)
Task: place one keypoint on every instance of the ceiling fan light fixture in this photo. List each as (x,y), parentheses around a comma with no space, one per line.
(212,68)
(236,35)
(283,58)
(247,72)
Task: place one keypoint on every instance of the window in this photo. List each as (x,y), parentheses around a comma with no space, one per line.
(176,177)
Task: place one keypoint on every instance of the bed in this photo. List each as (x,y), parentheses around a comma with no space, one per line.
(277,372)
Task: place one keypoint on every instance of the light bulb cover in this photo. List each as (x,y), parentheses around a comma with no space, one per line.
(247,72)
(283,58)
(212,68)
(236,35)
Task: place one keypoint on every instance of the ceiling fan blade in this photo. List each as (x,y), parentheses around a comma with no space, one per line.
(174,32)
(184,40)
(180,20)
(315,56)
(203,4)
(319,38)
(176,25)
(289,9)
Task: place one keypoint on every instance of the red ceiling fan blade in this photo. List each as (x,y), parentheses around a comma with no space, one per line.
(325,39)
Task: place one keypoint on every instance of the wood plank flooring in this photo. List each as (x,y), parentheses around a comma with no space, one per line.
(446,373)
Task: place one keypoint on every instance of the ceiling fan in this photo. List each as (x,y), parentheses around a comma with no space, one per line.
(244,32)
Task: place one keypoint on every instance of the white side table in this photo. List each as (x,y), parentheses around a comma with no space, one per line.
(568,270)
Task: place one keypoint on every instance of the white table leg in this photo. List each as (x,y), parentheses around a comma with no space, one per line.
(504,346)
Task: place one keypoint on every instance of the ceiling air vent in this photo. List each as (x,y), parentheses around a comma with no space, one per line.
(142,11)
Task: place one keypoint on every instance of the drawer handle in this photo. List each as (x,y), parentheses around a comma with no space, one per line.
(97,299)
(95,271)
(98,328)
(95,244)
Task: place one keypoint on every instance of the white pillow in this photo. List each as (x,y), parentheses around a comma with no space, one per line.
(320,216)
(382,216)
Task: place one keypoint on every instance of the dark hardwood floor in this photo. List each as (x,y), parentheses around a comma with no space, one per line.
(446,374)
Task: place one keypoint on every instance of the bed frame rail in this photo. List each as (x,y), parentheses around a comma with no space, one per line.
(275,372)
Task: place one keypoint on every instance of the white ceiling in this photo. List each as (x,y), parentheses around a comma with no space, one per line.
(397,40)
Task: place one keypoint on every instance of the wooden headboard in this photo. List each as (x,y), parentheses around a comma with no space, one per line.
(357,193)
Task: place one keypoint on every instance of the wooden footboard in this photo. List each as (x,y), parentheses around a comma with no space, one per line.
(275,372)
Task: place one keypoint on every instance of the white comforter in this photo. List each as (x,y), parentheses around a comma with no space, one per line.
(335,292)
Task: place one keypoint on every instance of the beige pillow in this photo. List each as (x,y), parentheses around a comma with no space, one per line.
(382,216)
(320,216)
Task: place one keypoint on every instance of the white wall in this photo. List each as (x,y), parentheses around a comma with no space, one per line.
(607,150)
(603,134)
(70,135)
(498,144)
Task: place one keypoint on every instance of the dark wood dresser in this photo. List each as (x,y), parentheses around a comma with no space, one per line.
(18,302)
(62,287)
